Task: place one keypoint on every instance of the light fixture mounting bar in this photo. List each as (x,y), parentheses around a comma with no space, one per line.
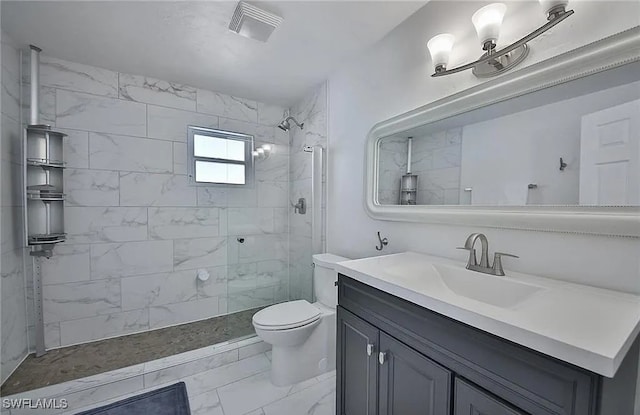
(559,17)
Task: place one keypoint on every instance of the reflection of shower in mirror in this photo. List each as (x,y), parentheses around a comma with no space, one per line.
(409,182)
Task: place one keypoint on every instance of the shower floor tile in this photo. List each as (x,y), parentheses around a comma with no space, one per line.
(75,362)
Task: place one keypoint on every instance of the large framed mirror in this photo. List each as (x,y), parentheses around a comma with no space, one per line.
(552,147)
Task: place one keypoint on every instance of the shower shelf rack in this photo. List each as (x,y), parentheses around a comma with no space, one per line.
(44,196)
(45,164)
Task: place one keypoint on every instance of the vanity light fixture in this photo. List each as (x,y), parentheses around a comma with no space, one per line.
(487,22)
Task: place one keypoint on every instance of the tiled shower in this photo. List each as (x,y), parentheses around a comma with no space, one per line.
(137,230)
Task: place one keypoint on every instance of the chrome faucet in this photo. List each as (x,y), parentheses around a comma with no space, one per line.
(472,262)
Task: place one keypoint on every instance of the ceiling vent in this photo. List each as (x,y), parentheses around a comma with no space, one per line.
(253,22)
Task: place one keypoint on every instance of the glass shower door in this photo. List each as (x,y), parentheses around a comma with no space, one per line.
(305,233)
(258,241)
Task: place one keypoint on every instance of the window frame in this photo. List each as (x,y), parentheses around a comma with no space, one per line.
(247,139)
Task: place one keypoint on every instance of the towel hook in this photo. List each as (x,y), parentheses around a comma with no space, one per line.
(383,242)
(563,165)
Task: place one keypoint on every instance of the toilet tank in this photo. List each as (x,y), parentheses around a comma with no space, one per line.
(324,278)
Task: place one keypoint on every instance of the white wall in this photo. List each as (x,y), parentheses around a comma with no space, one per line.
(525,147)
(393,77)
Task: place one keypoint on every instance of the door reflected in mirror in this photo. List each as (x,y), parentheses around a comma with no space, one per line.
(577,143)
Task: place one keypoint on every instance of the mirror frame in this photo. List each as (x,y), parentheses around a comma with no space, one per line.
(611,52)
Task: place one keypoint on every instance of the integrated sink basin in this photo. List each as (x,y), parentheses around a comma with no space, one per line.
(439,278)
(590,327)
(502,292)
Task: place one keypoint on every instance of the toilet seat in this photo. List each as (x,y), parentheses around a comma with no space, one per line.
(286,316)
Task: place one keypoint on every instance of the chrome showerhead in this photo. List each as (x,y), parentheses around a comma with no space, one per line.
(285,125)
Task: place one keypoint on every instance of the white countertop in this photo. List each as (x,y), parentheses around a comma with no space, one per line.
(589,327)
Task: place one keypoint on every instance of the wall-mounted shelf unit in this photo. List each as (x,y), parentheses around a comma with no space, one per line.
(44,196)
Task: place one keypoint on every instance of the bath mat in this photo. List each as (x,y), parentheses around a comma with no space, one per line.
(170,400)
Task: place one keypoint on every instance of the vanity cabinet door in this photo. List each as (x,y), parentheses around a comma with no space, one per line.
(410,383)
(471,400)
(357,377)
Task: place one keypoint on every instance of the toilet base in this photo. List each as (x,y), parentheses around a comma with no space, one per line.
(317,355)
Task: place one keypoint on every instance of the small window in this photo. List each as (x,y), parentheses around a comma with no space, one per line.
(219,157)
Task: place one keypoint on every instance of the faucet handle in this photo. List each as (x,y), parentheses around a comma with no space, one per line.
(472,261)
(501,254)
(497,262)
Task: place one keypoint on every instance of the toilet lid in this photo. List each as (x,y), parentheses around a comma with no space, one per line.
(286,315)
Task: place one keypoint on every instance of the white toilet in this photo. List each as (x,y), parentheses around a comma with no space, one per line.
(303,335)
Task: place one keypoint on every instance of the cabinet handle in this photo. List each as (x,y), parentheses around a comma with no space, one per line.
(370,349)
(382,357)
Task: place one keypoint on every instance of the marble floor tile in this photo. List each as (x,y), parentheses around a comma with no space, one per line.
(184,371)
(318,399)
(208,380)
(255,392)
(206,403)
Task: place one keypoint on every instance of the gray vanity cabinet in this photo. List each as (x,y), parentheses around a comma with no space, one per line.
(471,400)
(382,376)
(410,383)
(397,358)
(357,342)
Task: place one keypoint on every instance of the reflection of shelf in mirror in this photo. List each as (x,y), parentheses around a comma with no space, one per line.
(45,164)
(42,239)
(44,128)
(45,193)
(59,197)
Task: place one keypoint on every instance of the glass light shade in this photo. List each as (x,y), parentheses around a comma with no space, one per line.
(440,48)
(548,5)
(260,152)
(266,148)
(488,20)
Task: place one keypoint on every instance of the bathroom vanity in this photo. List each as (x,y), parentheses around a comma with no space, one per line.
(412,341)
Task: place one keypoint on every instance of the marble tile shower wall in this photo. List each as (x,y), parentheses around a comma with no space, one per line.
(312,110)
(393,165)
(435,159)
(137,230)
(12,276)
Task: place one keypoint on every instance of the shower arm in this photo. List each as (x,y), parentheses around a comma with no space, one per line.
(290,118)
